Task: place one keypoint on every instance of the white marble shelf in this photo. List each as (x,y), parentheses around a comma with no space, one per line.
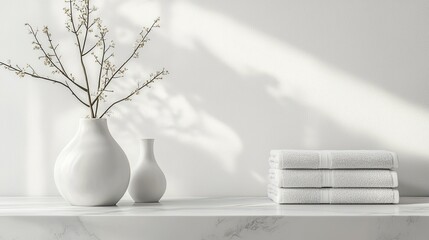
(237,206)
(211,218)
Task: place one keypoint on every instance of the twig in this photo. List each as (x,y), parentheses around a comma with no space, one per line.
(81,59)
(63,72)
(101,71)
(154,77)
(48,56)
(34,75)
(86,26)
(92,48)
(128,59)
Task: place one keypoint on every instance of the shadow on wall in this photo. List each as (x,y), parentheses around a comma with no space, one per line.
(339,110)
(272,75)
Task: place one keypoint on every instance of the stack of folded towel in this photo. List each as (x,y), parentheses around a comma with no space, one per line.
(338,177)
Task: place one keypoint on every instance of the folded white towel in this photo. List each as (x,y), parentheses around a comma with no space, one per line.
(333,178)
(333,195)
(333,159)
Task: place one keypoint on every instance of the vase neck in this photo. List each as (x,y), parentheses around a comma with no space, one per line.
(146,149)
(88,126)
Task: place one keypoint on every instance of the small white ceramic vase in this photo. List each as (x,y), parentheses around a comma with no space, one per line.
(92,170)
(148,182)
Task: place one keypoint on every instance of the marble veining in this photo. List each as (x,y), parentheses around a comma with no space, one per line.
(237,228)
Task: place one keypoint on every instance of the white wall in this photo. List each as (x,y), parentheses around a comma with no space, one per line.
(246,77)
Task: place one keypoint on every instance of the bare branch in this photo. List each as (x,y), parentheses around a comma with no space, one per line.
(81,60)
(101,71)
(92,48)
(47,56)
(21,72)
(158,75)
(86,26)
(140,44)
(58,58)
(81,25)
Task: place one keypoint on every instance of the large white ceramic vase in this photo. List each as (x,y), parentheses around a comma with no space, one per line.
(92,170)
